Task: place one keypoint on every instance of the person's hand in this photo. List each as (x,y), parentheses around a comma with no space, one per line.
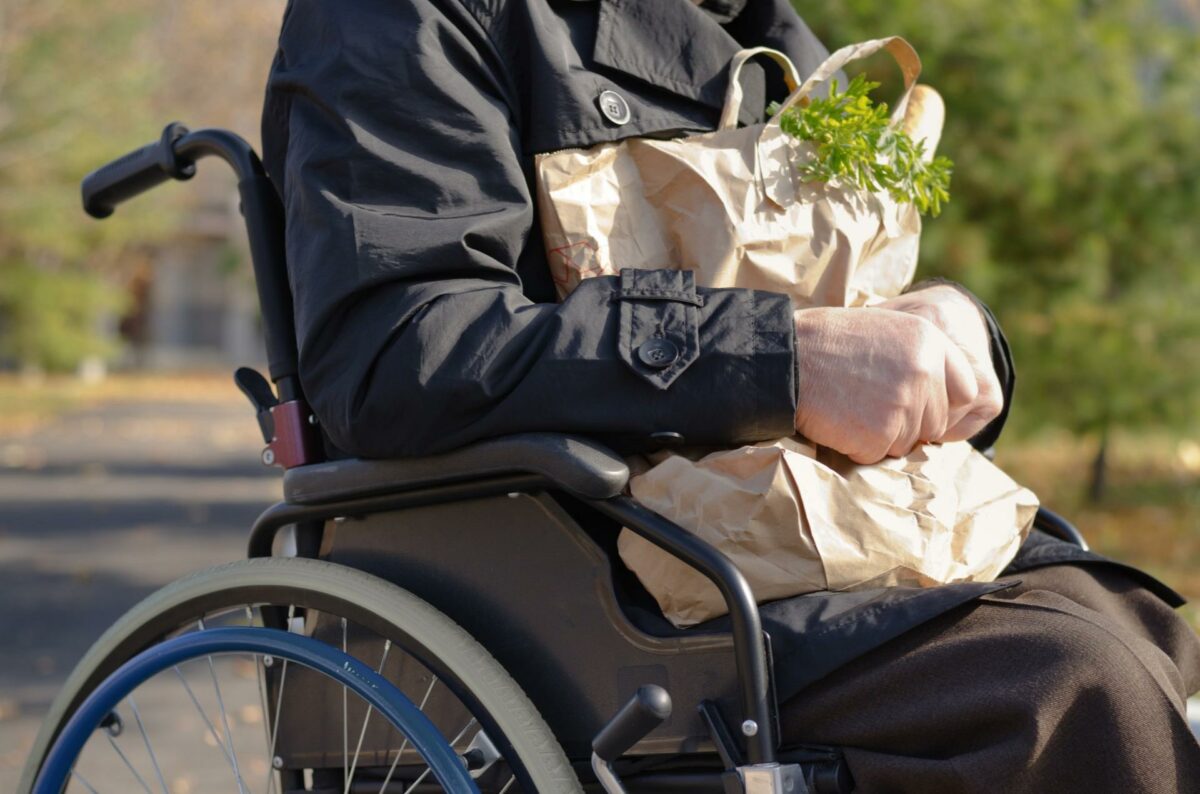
(878,382)
(959,318)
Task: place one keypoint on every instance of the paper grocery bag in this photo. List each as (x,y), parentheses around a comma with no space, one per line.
(795,518)
(729,206)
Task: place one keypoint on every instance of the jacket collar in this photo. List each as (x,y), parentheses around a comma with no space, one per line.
(676,45)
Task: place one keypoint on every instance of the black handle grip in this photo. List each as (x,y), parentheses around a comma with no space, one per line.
(135,173)
(649,707)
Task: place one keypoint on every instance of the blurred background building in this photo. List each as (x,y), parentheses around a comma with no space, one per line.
(193,305)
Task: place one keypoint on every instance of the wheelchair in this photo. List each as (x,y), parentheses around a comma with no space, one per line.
(477,593)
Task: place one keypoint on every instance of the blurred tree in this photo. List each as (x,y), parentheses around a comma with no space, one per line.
(82,82)
(52,319)
(1073,125)
(61,99)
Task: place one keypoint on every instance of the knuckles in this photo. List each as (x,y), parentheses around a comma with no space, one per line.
(924,352)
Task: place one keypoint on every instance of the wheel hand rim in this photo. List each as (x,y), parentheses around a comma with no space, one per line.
(392,704)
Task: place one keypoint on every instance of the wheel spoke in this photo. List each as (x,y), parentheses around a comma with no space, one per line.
(387,646)
(278,709)
(112,742)
(470,724)
(508,785)
(404,744)
(82,780)
(212,670)
(262,684)
(425,774)
(212,729)
(345,724)
(137,717)
(417,782)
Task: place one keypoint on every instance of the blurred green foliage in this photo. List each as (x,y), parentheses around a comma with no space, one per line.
(52,318)
(83,82)
(1073,125)
(63,101)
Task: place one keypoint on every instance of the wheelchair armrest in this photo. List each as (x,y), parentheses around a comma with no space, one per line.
(577,465)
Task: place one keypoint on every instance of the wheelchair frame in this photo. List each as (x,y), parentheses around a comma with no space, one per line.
(317,490)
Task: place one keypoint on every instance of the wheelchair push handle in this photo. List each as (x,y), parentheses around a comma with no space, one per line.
(133,174)
(174,156)
(649,707)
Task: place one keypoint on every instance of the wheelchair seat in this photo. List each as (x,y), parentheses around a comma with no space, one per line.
(578,466)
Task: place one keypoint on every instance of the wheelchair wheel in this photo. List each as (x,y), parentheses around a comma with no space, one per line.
(99,718)
(475,704)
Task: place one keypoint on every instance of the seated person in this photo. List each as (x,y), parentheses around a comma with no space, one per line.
(401,136)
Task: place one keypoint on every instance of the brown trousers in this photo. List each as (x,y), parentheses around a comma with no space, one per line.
(1075,680)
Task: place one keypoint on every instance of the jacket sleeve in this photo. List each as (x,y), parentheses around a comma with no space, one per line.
(1002,361)
(392,131)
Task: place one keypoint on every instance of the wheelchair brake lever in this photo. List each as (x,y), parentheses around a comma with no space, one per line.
(288,427)
(261,396)
(649,707)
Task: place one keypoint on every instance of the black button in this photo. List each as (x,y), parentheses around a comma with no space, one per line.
(614,107)
(667,438)
(658,353)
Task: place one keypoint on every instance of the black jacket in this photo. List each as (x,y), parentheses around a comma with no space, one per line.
(401,135)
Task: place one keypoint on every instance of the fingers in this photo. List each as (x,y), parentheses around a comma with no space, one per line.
(865,459)
(986,407)
(962,388)
(903,445)
(878,383)
(951,401)
(968,427)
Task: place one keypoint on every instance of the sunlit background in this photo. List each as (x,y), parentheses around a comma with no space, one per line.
(127,457)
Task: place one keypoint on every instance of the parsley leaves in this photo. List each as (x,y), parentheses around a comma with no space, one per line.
(854,143)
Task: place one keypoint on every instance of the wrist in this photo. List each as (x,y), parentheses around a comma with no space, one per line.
(811,327)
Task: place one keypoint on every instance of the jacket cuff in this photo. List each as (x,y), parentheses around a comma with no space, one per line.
(743,386)
(1002,361)
(705,366)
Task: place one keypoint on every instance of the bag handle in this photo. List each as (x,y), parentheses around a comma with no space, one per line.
(733,94)
(906,58)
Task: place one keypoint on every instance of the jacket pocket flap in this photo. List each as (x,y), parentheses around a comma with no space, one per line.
(659,323)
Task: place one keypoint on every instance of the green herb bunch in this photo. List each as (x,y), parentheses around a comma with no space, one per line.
(855,143)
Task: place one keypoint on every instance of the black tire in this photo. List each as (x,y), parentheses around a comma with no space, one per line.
(512,722)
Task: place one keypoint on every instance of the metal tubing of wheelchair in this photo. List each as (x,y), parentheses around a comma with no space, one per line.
(749,647)
(230,147)
(1053,524)
(174,156)
(282,514)
(263,214)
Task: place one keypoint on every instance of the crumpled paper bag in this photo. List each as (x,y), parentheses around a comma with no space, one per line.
(730,206)
(797,518)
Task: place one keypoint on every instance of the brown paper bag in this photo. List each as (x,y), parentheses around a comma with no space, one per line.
(730,206)
(796,518)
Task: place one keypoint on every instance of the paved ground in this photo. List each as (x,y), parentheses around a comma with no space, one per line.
(96,511)
(99,509)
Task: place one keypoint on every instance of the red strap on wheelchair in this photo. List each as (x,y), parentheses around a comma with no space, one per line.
(296,441)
